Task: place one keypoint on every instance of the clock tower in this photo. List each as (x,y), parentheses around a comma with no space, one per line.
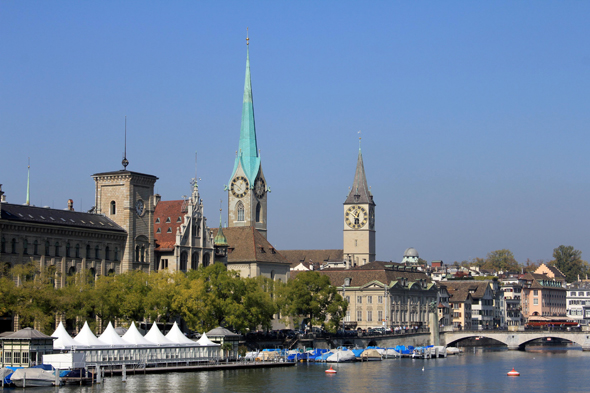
(247,189)
(359,220)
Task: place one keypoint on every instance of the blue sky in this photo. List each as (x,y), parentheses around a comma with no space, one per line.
(474,115)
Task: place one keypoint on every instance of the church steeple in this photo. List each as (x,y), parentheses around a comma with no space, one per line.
(360,193)
(248,154)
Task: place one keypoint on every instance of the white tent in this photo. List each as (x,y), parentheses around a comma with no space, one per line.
(133,336)
(155,336)
(177,337)
(64,340)
(110,337)
(205,342)
(86,337)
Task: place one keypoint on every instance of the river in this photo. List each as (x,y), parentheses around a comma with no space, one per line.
(542,369)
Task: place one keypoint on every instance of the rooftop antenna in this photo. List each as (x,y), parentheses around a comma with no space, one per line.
(28,202)
(125,161)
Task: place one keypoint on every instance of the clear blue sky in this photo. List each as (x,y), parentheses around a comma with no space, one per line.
(474,115)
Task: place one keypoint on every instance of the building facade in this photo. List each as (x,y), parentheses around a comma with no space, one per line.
(542,296)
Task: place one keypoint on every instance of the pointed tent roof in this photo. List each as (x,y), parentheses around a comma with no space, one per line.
(110,337)
(248,156)
(176,336)
(86,337)
(133,336)
(360,190)
(205,342)
(64,340)
(155,336)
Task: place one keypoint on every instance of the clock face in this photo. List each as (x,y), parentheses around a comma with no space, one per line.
(356,216)
(139,207)
(372,218)
(259,188)
(239,186)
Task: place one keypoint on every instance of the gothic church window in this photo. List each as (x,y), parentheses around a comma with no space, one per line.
(136,253)
(240,211)
(258,212)
(195,261)
(142,253)
(183,260)
(113,207)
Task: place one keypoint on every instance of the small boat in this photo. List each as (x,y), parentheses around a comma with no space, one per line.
(370,355)
(341,356)
(33,377)
(454,351)
(389,353)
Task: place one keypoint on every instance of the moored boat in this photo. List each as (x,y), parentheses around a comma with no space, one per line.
(340,356)
(370,355)
(32,377)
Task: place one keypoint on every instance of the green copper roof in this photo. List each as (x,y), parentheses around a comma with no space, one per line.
(220,239)
(248,150)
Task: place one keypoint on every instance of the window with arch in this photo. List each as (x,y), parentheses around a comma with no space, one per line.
(96,252)
(206,260)
(107,253)
(88,251)
(258,218)
(195,261)
(25,247)
(116,254)
(57,249)
(77,251)
(13,245)
(35,247)
(240,209)
(3,245)
(71,271)
(183,260)
(68,249)
(113,207)
(47,248)
(136,253)
(143,253)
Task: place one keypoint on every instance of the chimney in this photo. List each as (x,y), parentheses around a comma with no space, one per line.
(70,205)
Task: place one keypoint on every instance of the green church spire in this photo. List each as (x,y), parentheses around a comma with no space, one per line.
(28,202)
(248,154)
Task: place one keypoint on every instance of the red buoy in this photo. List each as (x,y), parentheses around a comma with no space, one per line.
(513,373)
(331,371)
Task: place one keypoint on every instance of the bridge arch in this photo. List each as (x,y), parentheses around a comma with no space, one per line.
(518,340)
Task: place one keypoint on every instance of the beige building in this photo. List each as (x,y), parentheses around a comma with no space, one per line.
(460,302)
(542,296)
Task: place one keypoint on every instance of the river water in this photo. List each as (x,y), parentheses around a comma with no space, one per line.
(542,369)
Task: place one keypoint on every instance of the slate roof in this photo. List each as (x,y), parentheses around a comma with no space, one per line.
(165,240)
(27,334)
(359,193)
(538,281)
(384,272)
(307,257)
(246,244)
(124,172)
(62,218)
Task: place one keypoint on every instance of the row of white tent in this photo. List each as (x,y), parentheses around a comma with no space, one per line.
(131,339)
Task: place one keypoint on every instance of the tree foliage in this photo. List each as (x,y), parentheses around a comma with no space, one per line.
(501,260)
(569,261)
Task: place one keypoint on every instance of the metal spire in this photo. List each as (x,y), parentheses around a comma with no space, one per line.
(28,202)
(125,161)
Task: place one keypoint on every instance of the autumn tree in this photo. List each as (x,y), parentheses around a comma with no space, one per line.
(569,262)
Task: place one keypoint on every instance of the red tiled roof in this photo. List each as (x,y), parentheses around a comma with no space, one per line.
(163,211)
(246,244)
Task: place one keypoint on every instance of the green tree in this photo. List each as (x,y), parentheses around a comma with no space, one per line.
(569,262)
(35,297)
(311,295)
(501,260)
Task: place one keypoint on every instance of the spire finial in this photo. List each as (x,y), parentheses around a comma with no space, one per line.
(247,39)
(359,139)
(28,202)
(125,162)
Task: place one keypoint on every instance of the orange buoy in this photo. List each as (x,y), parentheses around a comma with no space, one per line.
(513,373)
(331,371)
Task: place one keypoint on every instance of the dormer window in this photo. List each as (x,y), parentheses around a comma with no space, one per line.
(159,230)
(169,230)
(168,220)
(158,220)
(179,219)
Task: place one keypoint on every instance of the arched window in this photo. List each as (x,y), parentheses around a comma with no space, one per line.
(88,251)
(96,252)
(195,261)
(25,247)
(258,212)
(240,211)
(113,207)
(143,253)
(111,271)
(205,260)
(116,253)
(3,245)
(183,260)
(107,253)
(57,249)
(77,251)
(13,245)
(136,253)
(46,248)
(71,271)
(68,248)
(35,247)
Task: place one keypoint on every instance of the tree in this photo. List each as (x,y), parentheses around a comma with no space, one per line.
(311,295)
(569,262)
(501,260)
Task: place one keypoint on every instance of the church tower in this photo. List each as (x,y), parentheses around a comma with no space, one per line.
(247,190)
(359,220)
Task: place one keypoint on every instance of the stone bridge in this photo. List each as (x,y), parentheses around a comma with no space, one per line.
(517,340)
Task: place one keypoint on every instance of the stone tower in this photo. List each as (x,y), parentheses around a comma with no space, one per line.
(359,220)
(247,189)
(127,198)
